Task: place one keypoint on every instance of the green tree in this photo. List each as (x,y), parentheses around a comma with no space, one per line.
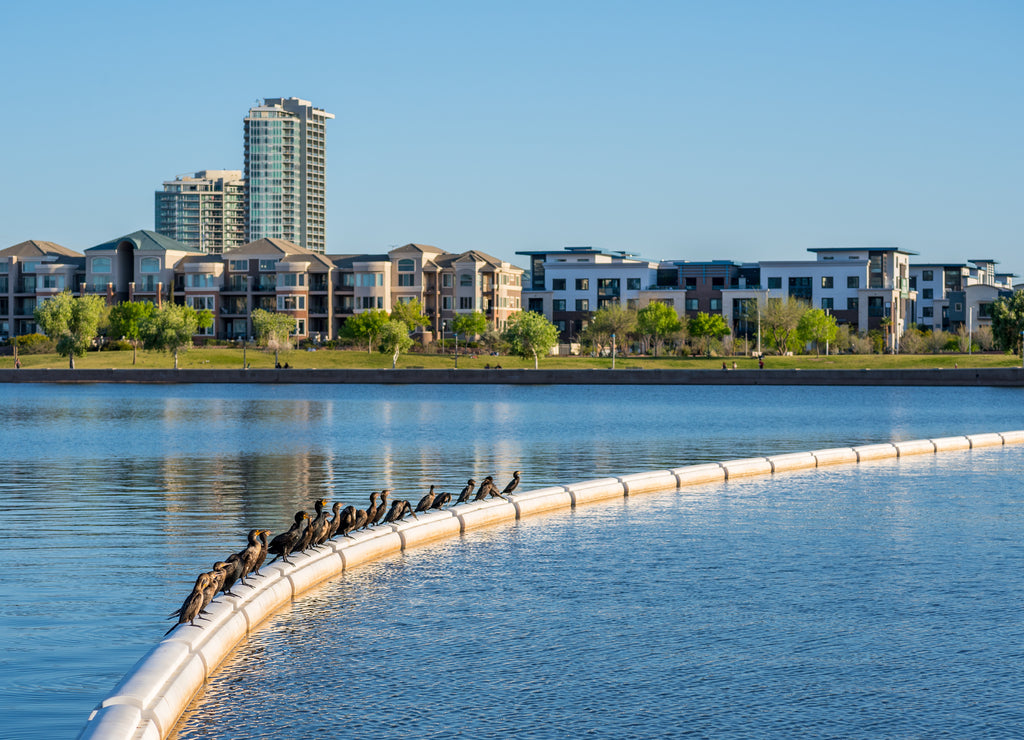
(274,330)
(1008,321)
(171,327)
(611,320)
(818,327)
(779,320)
(365,326)
(126,320)
(529,334)
(655,322)
(394,338)
(705,327)
(411,314)
(71,321)
(470,325)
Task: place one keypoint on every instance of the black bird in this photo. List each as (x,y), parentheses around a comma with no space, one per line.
(250,555)
(360,519)
(348,520)
(485,489)
(193,604)
(332,528)
(381,509)
(466,492)
(283,545)
(232,573)
(399,509)
(512,484)
(320,524)
(262,557)
(426,502)
(441,500)
(371,510)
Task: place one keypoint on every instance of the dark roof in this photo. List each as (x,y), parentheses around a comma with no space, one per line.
(346,260)
(855,249)
(37,248)
(146,240)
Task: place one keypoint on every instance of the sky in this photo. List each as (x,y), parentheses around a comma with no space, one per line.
(737,130)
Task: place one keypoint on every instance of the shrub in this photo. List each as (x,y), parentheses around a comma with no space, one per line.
(116,345)
(36,344)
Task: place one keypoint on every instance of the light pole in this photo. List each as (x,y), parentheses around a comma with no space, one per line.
(613,351)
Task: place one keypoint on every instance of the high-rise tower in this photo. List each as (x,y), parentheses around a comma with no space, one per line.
(205,210)
(285,172)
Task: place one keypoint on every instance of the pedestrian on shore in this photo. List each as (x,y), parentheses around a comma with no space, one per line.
(17,363)
(760,363)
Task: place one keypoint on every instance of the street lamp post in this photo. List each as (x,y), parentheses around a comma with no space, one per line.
(613,351)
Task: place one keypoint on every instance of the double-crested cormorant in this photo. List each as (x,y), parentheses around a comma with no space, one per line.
(399,508)
(332,526)
(512,484)
(283,545)
(381,508)
(466,492)
(193,604)
(441,499)
(426,502)
(262,557)
(249,555)
(232,573)
(348,520)
(360,520)
(485,489)
(318,527)
(371,510)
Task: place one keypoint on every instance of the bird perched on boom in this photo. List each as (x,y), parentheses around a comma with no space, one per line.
(399,508)
(441,499)
(283,545)
(512,484)
(426,502)
(193,604)
(318,527)
(381,509)
(466,492)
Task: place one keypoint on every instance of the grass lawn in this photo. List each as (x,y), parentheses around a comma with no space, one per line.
(223,358)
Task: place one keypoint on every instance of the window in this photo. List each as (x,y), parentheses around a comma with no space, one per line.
(200,302)
(406,281)
(690,283)
(800,287)
(446,302)
(560,325)
(632,283)
(406,266)
(5,267)
(466,280)
(927,312)
(369,279)
(827,303)
(536,305)
(149,264)
(876,307)
(447,280)
(348,279)
(268,265)
(291,303)
(238,265)
(369,301)
(984,310)
(692,304)
(200,280)
(56,282)
(558,284)
(582,304)
(466,302)
(101,264)
(826,281)
(582,283)
(558,304)
(717,283)
(853,281)
(852,304)
(300,327)
(346,304)
(927,275)
(293,279)
(30,266)
(958,307)
(716,304)
(927,293)
(774,283)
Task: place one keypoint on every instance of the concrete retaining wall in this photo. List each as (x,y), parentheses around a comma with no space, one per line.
(996,376)
(150,698)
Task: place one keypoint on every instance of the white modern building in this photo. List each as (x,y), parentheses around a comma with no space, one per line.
(955,295)
(286,172)
(205,210)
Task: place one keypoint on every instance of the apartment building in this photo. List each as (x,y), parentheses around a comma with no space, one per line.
(961,294)
(30,272)
(135,267)
(205,210)
(286,172)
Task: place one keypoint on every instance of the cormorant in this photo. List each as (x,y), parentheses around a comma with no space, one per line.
(399,508)
(318,527)
(348,520)
(512,484)
(193,604)
(261,558)
(441,500)
(466,492)
(249,555)
(283,545)
(360,520)
(332,528)
(426,502)
(232,573)
(381,508)
(371,510)
(485,489)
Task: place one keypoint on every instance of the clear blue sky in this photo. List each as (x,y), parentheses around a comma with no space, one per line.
(695,130)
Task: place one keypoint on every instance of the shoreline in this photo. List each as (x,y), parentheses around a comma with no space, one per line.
(1001,377)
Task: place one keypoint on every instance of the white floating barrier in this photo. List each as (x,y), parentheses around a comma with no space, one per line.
(658,480)
(915,447)
(875,452)
(985,440)
(747,467)
(600,489)
(430,526)
(694,475)
(835,456)
(148,701)
(541,500)
(792,461)
(948,444)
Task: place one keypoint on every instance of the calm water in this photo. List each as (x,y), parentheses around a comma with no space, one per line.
(114,497)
